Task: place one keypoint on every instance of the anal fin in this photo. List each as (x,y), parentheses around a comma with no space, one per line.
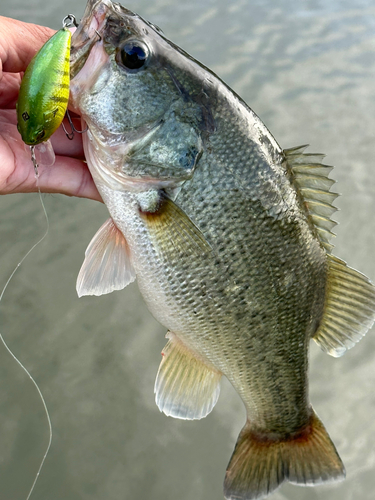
(260,465)
(349,310)
(107,265)
(185,387)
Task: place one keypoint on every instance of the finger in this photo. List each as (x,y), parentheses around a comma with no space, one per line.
(68,176)
(61,144)
(19,42)
(9,89)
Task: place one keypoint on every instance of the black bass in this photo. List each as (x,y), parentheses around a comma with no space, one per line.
(228,237)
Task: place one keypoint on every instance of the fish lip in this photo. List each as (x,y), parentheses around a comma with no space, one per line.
(90,30)
(88,33)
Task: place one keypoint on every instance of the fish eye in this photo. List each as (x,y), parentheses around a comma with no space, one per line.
(133,55)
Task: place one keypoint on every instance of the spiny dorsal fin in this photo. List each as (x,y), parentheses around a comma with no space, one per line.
(185,387)
(310,176)
(349,308)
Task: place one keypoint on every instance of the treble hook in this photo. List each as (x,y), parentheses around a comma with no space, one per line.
(70,135)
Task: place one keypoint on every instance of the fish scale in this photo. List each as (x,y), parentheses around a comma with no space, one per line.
(185,297)
(228,237)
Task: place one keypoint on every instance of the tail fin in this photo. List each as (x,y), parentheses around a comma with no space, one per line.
(258,465)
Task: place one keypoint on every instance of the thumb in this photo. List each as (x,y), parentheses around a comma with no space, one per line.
(19,42)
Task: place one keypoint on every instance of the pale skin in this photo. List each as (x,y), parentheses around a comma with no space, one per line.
(69,175)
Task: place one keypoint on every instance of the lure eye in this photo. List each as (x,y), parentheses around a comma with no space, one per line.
(133,55)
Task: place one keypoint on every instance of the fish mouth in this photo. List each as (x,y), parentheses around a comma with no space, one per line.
(91,30)
(88,33)
(88,39)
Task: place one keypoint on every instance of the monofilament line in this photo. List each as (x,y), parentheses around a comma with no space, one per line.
(8,349)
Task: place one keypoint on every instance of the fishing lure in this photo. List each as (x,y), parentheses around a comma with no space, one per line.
(44,92)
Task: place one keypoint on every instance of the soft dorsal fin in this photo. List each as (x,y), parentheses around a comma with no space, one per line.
(349,308)
(310,176)
(185,387)
(107,266)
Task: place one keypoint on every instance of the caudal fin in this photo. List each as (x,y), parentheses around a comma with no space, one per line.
(259,465)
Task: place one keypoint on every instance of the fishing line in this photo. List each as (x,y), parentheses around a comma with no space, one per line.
(1,337)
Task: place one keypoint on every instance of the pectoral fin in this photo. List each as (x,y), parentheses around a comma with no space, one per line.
(107,266)
(349,310)
(186,387)
(172,231)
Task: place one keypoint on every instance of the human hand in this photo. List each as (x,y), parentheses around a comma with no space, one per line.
(69,175)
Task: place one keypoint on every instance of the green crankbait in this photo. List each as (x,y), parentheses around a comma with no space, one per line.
(44,91)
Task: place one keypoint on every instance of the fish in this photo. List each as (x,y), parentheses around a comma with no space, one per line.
(44,90)
(229,238)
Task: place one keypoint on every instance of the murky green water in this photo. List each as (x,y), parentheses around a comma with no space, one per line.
(308,69)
